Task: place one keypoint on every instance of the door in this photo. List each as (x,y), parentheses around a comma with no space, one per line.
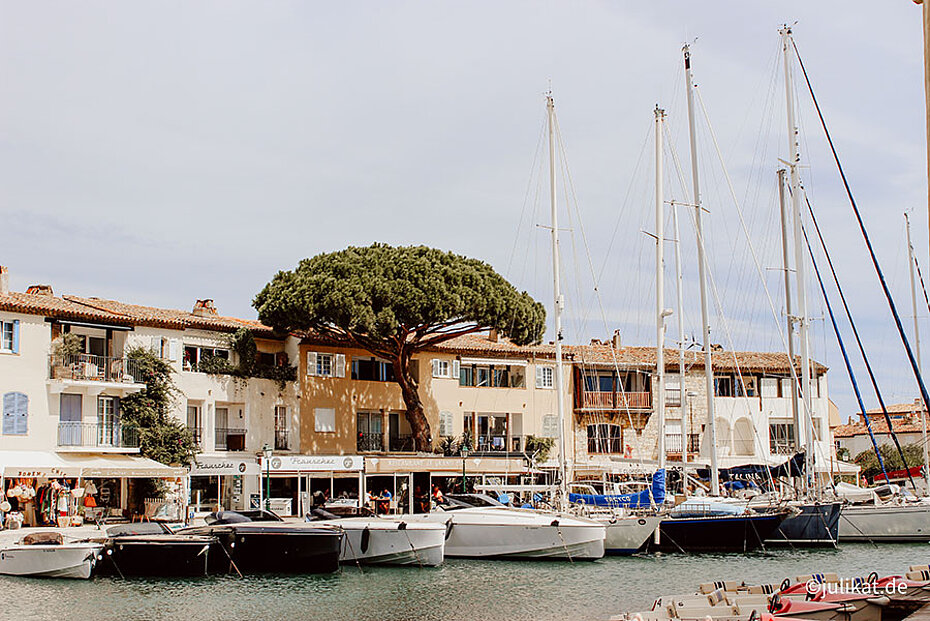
(222,427)
(108,433)
(69,420)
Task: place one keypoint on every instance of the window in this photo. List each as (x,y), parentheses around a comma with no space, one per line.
(494,376)
(372,370)
(746,385)
(545,376)
(324,364)
(769,386)
(280,428)
(442,368)
(467,376)
(723,386)
(195,355)
(550,426)
(604,438)
(9,336)
(108,433)
(482,376)
(445,424)
(324,420)
(673,389)
(15,414)
(781,437)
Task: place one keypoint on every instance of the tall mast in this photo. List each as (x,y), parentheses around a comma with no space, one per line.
(685,429)
(923,412)
(558,300)
(789,306)
(705,325)
(802,318)
(660,290)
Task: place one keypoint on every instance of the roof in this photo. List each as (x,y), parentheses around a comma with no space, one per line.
(879,426)
(597,354)
(76,308)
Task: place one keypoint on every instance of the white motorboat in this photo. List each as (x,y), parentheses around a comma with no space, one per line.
(375,541)
(627,534)
(49,557)
(480,527)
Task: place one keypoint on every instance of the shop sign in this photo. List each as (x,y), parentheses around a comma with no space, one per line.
(475,465)
(214,466)
(314,463)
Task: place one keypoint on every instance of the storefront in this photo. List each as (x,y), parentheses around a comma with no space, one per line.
(407,481)
(222,482)
(294,483)
(46,488)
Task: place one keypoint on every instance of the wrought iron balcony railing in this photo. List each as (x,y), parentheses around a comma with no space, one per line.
(93,435)
(86,367)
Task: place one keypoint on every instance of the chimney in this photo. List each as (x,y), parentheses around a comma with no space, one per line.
(4,280)
(615,340)
(45,290)
(204,308)
(494,336)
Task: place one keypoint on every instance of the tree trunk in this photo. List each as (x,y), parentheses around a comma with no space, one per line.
(422,438)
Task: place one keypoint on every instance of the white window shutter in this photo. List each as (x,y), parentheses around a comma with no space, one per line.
(340,370)
(311,363)
(539,380)
(456,369)
(174,350)
(155,345)
(436,368)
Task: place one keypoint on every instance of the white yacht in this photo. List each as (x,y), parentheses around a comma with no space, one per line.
(45,555)
(480,527)
(376,541)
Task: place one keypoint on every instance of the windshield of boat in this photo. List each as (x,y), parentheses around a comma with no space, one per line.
(460,501)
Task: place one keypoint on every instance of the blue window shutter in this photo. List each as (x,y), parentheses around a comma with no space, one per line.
(16,336)
(15,413)
(8,422)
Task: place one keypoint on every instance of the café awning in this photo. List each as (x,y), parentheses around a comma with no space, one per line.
(31,464)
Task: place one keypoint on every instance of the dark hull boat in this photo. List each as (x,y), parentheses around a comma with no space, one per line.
(269,545)
(152,550)
(725,533)
(817,524)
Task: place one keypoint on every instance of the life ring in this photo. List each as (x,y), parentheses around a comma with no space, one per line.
(872,577)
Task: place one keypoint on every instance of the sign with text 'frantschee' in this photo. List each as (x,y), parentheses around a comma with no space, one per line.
(314,463)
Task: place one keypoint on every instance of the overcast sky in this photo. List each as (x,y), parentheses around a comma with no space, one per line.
(159,152)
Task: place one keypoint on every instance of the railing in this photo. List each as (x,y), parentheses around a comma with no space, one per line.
(370,442)
(93,435)
(401,443)
(280,439)
(782,447)
(498,443)
(197,433)
(86,367)
(596,400)
(673,443)
(229,439)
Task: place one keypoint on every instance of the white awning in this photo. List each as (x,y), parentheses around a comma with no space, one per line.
(48,464)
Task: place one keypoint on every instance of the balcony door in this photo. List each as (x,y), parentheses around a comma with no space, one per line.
(368,426)
(70,420)
(108,421)
(222,427)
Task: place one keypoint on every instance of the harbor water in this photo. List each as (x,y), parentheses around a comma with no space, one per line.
(459,589)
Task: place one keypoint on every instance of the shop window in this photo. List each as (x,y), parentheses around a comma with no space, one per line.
(15,413)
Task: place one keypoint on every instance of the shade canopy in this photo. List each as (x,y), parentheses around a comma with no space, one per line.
(14,464)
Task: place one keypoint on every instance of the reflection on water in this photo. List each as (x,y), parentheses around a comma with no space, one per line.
(492,590)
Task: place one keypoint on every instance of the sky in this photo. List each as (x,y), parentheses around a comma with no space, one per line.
(161,152)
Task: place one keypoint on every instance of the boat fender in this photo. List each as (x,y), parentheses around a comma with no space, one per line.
(366,539)
(402,526)
(448,528)
(881,600)
(775,604)
(555,523)
(872,577)
(809,595)
(785,584)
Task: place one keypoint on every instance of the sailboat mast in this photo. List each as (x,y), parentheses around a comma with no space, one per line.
(705,325)
(685,427)
(660,290)
(923,411)
(789,306)
(558,300)
(802,318)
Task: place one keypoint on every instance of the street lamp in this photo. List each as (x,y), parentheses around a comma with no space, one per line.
(464,451)
(267,452)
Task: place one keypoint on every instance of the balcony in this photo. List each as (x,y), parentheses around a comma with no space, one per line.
(197,434)
(596,400)
(280,440)
(76,435)
(229,439)
(369,442)
(89,368)
(673,443)
(401,443)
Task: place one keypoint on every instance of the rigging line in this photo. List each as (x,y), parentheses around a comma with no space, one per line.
(865,236)
(600,303)
(923,287)
(855,330)
(839,339)
(721,315)
(752,252)
(526,197)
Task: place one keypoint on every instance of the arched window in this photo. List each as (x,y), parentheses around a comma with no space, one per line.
(15,413)
(743,437)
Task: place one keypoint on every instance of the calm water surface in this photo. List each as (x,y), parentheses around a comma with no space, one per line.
(486,590)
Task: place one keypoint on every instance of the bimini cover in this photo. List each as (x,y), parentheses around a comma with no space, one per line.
(655,495)
(854,493)
(704,507)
